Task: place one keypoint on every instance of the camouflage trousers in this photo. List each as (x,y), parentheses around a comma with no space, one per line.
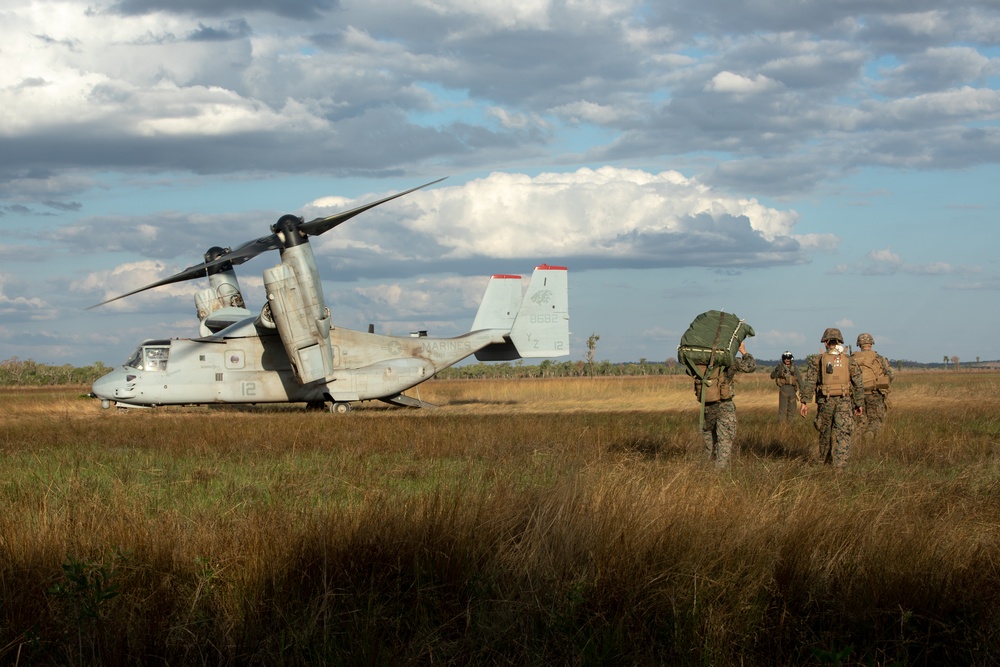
(835,423)
(870,422)
(719,431)
(788,403)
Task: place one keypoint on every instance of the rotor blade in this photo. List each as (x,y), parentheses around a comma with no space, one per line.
(190,273)
(251,249)
(248,250)
(321,225)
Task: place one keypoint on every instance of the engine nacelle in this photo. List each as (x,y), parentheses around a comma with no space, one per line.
(298,312)
(210,300)
(225,288)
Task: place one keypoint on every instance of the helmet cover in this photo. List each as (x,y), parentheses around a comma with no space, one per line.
(832,334)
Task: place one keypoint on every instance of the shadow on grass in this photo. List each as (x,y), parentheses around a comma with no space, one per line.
(777,443)
(649,447)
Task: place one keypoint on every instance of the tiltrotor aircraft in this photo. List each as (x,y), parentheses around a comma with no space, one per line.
(292,351)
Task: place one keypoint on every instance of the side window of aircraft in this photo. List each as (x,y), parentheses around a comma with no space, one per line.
(156,358)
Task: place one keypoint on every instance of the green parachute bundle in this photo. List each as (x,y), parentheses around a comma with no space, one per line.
(709,346)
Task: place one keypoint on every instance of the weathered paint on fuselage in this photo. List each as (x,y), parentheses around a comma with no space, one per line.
(235,367)
(234,370)
(370,366)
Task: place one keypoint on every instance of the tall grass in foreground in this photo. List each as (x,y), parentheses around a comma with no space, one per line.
(527,523)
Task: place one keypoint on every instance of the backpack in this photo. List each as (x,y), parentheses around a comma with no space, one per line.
(714,388)
(710,345)
(871,370)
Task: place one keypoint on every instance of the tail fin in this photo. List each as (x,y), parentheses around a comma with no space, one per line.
(499,304)
(539,326)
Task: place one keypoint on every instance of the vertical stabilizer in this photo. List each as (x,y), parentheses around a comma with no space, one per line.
(541,327)
(499,304)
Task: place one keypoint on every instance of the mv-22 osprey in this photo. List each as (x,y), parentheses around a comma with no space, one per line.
(292,352)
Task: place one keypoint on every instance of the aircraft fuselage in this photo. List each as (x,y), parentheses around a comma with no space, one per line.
(255,368)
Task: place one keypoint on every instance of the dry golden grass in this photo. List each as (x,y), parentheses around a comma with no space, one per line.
(562,521)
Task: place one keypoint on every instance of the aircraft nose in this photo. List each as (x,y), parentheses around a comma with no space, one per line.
(116,385)
(103,387)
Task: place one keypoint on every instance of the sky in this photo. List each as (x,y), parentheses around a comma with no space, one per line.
(801,164)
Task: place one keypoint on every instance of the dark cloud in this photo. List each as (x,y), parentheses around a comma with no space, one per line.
(32,82)
(775,16)
(776,176)
(237,29)
(938,69)
(379,141)
(293,9)
(170,237)
(63,205)
(545,68)
(760,81)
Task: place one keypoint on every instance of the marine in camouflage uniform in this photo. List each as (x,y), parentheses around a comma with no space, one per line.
(719,429)
(876,396)
(839,395)
(786,376)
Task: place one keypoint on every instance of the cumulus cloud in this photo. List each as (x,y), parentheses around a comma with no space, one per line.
(590,218)
(728,82)
(16,304)
(505,222)
(114,282)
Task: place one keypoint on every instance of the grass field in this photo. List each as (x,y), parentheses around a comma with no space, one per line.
(525,522)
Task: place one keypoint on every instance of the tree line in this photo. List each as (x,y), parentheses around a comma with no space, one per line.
(15,372)
(553,369)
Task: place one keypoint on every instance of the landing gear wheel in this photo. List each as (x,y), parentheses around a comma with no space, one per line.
(340,408)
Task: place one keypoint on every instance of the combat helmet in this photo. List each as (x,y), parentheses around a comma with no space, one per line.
(865,339)
(832,334)
(786,355)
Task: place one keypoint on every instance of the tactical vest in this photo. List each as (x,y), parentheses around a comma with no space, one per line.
(834,377)
(717,388)
(786,377)
(871,370)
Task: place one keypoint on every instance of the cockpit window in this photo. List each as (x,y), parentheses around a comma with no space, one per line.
(135,361)
(156,358)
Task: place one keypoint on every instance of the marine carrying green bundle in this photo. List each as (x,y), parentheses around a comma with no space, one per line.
(712,340)
(710,345)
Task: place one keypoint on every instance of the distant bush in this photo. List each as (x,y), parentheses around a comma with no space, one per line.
(16,372)
(555,369)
